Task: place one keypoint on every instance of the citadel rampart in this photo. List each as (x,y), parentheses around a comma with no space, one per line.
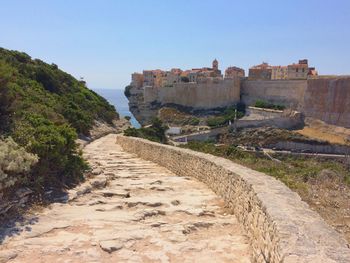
(221,93)
(281,227)
(327,99)
(285,92)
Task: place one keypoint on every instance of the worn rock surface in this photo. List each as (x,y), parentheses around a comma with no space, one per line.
(281,227)
(132,210)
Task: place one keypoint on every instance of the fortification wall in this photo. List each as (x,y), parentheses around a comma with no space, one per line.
(314,148)
(285,92)
(328,100)
(280,226)
(202,95)
(283,122)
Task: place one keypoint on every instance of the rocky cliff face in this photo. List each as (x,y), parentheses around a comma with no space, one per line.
(328,100)
(142,111)
(145,102)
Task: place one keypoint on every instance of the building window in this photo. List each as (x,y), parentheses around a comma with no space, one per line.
(297,70)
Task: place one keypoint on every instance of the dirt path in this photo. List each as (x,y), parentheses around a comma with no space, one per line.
(132,211)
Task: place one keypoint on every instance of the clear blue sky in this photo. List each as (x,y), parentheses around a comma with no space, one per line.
(106,40)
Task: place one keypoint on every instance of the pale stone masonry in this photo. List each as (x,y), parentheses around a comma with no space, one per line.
(281,227)
(132,210)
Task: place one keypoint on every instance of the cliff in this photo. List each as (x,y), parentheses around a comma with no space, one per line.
(145,102)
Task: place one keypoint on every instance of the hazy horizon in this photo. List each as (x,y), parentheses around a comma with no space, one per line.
(105,42)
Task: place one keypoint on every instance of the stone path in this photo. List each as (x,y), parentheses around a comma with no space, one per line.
(131,211)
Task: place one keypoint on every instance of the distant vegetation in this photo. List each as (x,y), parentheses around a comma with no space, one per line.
(155,132)
(229,114)
(295,172)
(43,109)
(267,105)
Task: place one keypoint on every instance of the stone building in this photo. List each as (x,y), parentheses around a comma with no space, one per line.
(312,73)
(232,72)
(298,71)
(153,78)
(264,71)
(173,76)
(137,80)
(279,72)
(260,72)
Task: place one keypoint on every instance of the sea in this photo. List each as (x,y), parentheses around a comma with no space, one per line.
(117,98)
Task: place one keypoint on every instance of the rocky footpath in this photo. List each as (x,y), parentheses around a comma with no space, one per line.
(19,201)
(130,210)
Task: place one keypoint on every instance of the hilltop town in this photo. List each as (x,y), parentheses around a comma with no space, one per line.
(296,87)
(160,78)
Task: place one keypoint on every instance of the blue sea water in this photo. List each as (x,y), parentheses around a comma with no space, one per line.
(117,98)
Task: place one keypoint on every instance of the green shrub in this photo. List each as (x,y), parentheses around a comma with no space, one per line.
(267,105)
(156,132)
(216,121)
(193,121)
(15,162)
(44,109)
(59,158)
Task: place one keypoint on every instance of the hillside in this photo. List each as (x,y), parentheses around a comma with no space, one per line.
(43,110)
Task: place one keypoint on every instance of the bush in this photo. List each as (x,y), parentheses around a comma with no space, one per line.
(267,105)
(128,118)
(14,162)
(44,109)
(156,132)
(216,121)
(59,159)
(193,121)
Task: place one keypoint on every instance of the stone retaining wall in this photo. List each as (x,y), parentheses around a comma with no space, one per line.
(281,227)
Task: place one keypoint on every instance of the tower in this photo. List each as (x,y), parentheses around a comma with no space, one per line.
(215,65)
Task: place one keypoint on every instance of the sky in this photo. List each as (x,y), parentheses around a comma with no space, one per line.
(104,41)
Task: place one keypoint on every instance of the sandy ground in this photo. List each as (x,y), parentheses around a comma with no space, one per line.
(131,211)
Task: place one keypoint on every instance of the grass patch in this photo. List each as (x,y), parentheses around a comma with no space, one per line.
(293,171)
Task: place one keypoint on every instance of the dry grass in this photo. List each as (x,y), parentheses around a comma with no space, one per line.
(322,183)
(315,133)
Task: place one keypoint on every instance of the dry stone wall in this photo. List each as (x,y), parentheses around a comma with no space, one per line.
(280,226)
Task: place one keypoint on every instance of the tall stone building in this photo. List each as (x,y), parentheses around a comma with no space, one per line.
(279,72)
(260,72)
(137,80)
(264,71)
(232,72)
(215,65)
(298,71)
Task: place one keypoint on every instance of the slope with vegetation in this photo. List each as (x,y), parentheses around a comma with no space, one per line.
(322,183)
(42,112)
(154,132)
